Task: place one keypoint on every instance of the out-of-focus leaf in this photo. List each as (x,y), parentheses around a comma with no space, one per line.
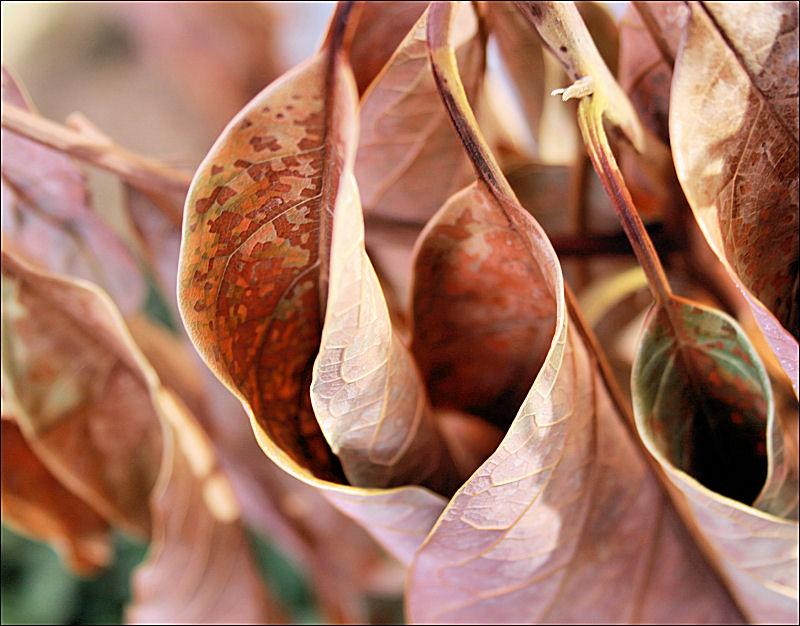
(734,131)
(118,466)
(409,159)
(199,569)
(381,28)
(602,27)
(367,393)
(644,72)
(67,375)
(36,503)
(47,217)
(523,56)
(253,278)
(704,409)
(566,519)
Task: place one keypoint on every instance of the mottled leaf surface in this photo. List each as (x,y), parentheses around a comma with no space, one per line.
(409,159)
(567,500)
(477,291)
(254,274)
(255,250)
(704,408)
(734,132)
(47,215)
(35,502)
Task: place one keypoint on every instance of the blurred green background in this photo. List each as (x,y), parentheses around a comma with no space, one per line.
(37,589)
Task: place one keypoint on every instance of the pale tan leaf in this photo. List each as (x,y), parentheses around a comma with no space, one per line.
(68,374)
(73,343)
(409,159)
(382,26)
(199,568)
(367,394)
(734,132)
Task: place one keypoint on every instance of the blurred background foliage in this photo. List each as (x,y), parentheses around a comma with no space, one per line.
(129,68)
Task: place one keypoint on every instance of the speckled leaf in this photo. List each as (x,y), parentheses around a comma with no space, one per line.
(366,390)
(35,502)
(734,131)
(568,499)
(254,272)
(703,406)
(47,215)
(70,370)
(255,250)
(381,28)
(409,159)
(67,376)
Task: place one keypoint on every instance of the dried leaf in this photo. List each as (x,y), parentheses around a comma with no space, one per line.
(523,56)
(367,393)
(734,132)
(199,568)
(255,252)
(68,374)
(254,278)
(47,216)
(477,292)
(409,159)
(381,28)
(645,69)
(579,502)
(704,409)
(118,465)
(36,503)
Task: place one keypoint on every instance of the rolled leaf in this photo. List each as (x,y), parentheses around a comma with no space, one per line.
(704,408)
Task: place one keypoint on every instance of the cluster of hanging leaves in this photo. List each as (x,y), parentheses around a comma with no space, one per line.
(377,262)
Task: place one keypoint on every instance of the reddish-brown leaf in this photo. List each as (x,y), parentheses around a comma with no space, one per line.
(35,502)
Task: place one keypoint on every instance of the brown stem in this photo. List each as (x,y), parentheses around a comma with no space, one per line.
(594,136)
(141,172)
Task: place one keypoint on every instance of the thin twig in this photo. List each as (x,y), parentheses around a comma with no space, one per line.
(141,172)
